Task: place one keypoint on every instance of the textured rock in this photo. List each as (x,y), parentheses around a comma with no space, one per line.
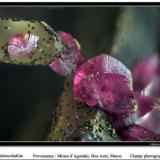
(49,45)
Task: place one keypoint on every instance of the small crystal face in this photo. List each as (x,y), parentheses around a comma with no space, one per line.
(145,104)
(71,59)
(22,44)
(151,120)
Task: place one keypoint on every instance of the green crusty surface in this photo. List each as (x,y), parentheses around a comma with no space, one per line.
(74,121)
(50,44)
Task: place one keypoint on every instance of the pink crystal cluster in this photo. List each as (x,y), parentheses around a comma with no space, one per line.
(105,82)
(71,59)
(131,100)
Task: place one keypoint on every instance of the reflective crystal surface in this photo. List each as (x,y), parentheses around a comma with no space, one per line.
(22,44)
(69,60)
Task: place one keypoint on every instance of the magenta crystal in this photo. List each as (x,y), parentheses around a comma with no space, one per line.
(147,83)
(151,120)
(100,64)
(137,133)
(121,120)
(103,64)
(105,82)
(109,91)
(145,128)
(145,103)
(22,44)
(69,40)
(71,59)
(144,72)
(152,90)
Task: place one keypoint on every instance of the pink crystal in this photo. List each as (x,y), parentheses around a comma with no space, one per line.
(146,78)
(145,128)
(103,64)
(153,88)
(71,59)
(104,81)
(22,44)
(100,64)
(124,120)
(109,91)
(144,72)
(137,133)
(68,40)
(145,103)
(151,120)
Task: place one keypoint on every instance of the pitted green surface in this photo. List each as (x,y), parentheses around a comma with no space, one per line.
(50,44)
(100,129)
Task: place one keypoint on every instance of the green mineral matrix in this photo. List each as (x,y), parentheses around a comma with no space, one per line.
(50,44)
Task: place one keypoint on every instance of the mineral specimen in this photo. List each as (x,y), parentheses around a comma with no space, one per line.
(22,44)
(69,60)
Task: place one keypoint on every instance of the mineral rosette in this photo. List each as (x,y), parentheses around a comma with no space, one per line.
(22,44)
